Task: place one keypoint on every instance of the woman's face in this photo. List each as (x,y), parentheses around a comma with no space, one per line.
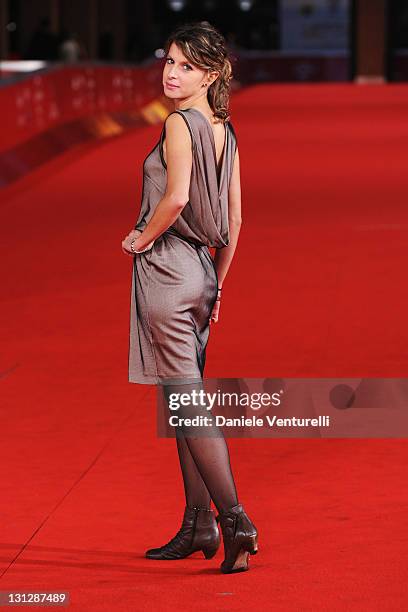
(182,79)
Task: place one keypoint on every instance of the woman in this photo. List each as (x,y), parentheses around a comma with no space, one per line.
(191,201)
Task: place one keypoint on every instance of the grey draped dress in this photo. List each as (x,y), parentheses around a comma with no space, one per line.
(175,283)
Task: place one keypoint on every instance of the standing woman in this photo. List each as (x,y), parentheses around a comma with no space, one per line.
(191,201)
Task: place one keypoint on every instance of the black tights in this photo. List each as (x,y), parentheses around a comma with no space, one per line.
(203,453)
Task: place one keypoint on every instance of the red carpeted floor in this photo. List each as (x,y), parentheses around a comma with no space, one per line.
(317,289)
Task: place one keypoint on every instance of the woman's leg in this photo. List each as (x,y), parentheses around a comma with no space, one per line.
(207,446)
(197,495)
(199,530)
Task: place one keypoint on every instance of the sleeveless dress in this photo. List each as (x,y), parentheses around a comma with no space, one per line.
(175,283)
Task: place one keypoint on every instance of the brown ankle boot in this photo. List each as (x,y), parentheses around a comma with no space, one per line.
(199,531)
(240,539)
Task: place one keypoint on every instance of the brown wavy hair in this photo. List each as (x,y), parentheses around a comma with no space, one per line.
(205,47)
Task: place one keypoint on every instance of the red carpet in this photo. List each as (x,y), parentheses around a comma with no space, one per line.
(316,289)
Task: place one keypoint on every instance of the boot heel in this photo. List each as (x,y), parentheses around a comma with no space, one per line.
(251,545)
(209,553)
(240,539)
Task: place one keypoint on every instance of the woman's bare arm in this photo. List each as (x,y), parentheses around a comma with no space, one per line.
(223,256)
(179,164)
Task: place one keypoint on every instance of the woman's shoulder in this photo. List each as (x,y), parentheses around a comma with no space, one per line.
(198,126)
(194,116)
(177,120)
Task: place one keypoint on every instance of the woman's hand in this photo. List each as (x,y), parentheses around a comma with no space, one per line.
(216,309)
(215,312)
(127,241)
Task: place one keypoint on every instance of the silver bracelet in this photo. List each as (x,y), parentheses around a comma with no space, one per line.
(134,250)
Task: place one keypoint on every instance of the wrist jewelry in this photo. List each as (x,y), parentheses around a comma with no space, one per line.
(134,250)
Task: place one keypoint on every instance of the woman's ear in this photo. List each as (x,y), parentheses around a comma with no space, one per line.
(213,76)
